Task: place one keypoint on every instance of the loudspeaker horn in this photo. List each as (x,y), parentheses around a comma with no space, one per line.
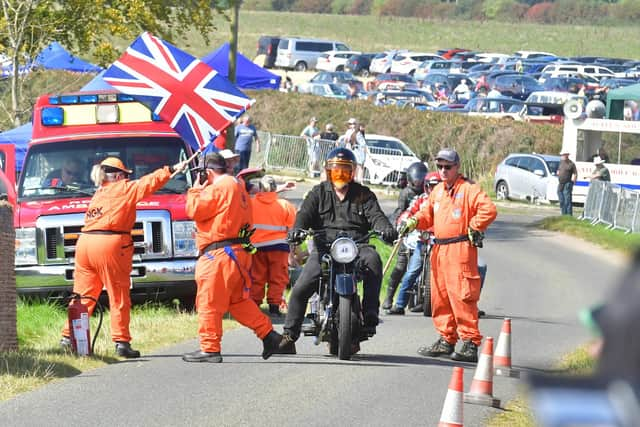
(573,108)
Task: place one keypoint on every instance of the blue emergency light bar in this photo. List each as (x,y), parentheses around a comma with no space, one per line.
(90,98)
(52,116)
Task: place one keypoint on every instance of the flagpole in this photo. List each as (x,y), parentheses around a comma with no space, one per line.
(233,56)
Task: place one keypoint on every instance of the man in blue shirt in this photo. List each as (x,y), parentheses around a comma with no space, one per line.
(245,133)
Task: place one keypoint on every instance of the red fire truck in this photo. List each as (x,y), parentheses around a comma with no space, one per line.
(84,128)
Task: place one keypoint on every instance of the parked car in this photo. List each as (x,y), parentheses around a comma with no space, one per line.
(387,157)
(407,62)
(301,54)
(529,54)
(494,108)
(392,81)
(418,99)
(359,64)
(335,77)
(557,69)
(268,46)
(547,107)
(334,60)
(448,53)
(531,177)
(516,85)
(329,90)
(436,66)
(381,62)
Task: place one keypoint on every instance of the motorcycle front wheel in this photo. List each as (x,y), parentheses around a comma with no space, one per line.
(345,325)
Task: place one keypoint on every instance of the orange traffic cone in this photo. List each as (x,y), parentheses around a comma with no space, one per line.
(502,356)
(452,410)
(481,391)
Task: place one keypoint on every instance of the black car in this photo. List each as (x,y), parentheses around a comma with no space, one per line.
(359,64)
(516,85)
(268,46)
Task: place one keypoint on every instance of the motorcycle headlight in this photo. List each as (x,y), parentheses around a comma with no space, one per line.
(184,239)
(26,249)
(344,250)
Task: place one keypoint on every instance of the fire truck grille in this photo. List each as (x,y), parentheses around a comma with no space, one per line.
(151,237)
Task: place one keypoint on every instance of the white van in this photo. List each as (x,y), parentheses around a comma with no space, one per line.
(595,71)
(302,54)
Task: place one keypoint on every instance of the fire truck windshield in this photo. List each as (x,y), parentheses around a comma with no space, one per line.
(58,169)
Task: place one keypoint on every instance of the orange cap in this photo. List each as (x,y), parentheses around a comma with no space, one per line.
(115,162)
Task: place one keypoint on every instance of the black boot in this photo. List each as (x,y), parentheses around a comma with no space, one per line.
(287,344)
(271,345)
(202,356)
(123,349)
(396,310)
(388,300)
(468,353)
(438,348)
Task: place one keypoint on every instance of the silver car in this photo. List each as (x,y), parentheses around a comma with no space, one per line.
(531,177)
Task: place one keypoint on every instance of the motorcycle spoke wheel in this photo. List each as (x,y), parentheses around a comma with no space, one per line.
(344,328)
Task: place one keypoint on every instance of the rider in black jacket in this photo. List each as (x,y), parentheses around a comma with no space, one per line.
(415,179)
(335,205)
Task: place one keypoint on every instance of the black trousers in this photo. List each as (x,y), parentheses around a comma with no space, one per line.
(307,284)
(398,270)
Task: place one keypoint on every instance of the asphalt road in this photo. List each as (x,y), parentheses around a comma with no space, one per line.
(538,279)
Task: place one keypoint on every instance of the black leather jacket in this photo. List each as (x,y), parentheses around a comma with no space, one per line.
(404,200)
(357,214)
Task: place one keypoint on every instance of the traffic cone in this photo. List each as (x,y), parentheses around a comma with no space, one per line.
(452,410)
(502,356)
(481,391)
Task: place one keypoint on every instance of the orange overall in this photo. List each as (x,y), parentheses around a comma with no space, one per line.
(220,210)
(272,218)
(455,281)
(104,251)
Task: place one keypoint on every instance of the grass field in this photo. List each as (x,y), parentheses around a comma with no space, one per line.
(368,33)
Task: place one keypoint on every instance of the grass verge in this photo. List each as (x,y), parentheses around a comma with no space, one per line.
(40,360)
(518,412)
(598,234)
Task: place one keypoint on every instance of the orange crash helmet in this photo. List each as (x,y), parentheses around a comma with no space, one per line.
(340,167)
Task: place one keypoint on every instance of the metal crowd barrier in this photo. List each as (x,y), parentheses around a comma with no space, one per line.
(612,205)
(302,154)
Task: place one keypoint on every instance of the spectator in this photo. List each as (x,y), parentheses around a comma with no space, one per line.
(567,176)
(231,159)
(311,133)
(600,173)
(329,134)
(348,140)
(359,148)
(462,92)
(245,134)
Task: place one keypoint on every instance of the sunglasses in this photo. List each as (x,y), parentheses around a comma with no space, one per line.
(445,167)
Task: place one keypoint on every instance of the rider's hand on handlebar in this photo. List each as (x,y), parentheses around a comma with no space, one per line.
(296,236)
(389,235)
(407,226)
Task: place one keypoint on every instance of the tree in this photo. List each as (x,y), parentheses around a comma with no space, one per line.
(26,26)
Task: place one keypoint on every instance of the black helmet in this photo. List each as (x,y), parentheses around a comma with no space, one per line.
(340,166)
(415,175)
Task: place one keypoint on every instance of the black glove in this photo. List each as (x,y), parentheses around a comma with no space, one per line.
(389,235)
(296,236)
(476,237)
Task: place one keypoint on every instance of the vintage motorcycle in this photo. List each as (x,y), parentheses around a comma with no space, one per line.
(335,309)
(420,292)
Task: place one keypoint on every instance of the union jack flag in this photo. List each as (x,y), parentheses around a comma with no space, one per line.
(184,91)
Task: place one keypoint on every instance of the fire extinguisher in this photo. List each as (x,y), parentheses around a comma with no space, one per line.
(79,324)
